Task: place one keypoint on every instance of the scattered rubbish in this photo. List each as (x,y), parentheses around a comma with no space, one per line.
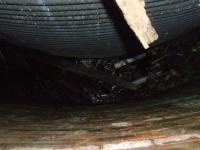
(129,60)
(104,80)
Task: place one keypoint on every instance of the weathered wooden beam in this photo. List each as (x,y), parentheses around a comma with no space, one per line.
(94,74)
(135,14)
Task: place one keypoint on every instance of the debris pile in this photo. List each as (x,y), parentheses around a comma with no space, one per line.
(104,80)
(156,70)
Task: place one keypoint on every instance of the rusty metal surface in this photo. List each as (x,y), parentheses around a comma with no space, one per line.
(171,121)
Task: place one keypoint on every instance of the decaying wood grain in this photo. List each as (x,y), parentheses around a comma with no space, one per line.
(135,14)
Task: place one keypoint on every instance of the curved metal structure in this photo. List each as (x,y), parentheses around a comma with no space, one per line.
(88,28)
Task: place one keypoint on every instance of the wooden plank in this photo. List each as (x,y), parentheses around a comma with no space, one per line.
(135,14)
(94,74)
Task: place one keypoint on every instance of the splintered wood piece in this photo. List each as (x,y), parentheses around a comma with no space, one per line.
(136,16)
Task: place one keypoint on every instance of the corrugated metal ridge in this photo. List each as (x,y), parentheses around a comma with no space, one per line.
(84,28)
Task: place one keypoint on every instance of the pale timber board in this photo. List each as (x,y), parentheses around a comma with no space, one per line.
(136,16)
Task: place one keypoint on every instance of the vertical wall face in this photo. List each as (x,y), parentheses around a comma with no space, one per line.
(173,17)
(86,28)
(80,28)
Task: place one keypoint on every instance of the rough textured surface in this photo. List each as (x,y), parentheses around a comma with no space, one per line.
(167,122)
(88,28)
(135,14)
(45,78)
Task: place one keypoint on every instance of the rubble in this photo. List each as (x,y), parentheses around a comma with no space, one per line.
(110,79)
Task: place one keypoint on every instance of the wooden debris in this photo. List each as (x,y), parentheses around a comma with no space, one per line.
(135,14)
(108,78)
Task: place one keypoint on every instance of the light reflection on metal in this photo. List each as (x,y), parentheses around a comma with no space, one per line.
(124,145)
(168,122)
